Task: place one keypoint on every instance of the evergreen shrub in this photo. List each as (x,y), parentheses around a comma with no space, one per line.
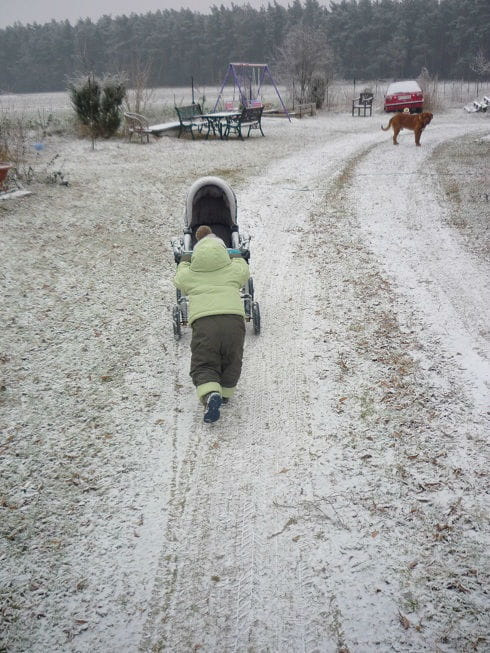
(316,91)
(97,104)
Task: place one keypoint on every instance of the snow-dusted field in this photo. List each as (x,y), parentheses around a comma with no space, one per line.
(339,96)
(341,503)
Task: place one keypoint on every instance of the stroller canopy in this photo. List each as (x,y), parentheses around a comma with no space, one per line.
(210,201)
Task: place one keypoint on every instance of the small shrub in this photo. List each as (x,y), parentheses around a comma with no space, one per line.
(97,104)
(14,137)
(4,137)
(317,89)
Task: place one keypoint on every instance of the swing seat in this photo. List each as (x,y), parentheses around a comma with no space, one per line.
(231,105)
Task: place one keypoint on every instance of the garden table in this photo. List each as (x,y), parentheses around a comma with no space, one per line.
(217,119)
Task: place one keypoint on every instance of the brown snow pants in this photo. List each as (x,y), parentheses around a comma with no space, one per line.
(217,351)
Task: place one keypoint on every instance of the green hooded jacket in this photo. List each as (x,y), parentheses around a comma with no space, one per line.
(212,281)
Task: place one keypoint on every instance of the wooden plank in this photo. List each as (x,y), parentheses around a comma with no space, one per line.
(307,107)
(163,127)
(9,194)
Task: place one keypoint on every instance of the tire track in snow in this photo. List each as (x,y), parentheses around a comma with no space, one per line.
(185,465)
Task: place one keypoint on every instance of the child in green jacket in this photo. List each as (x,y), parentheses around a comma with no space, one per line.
(212,281)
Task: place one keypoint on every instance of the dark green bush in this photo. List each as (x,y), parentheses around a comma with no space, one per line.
(97,104)
(316,91)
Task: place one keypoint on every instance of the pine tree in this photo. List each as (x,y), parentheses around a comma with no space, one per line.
(97,104)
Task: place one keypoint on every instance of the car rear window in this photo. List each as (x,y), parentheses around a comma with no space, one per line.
(403,87)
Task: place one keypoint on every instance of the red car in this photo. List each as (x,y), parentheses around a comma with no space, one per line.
(404,95)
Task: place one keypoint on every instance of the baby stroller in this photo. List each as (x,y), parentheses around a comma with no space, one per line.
(210,201)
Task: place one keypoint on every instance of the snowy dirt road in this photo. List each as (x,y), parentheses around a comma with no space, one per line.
(341,502)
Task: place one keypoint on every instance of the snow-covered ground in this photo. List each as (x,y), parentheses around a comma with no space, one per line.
(341,503)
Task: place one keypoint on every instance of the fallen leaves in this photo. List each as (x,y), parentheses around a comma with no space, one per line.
(404,621)
(456,585)
(290,522)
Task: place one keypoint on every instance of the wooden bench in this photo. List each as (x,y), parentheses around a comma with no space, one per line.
(363,103)
(189,119)
(250,117)
(138,124)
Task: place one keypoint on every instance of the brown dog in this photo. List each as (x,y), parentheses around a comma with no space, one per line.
(417,122)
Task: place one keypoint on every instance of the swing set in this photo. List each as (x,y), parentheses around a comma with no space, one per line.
(248,79)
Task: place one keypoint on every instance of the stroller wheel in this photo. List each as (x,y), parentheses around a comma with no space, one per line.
(251,287)
(176,322)
(256,317)
(183,306)
(247,305)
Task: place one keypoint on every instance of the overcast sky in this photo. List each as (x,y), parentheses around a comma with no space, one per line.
(42,11)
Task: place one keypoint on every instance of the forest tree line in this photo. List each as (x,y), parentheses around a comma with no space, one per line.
(366,39)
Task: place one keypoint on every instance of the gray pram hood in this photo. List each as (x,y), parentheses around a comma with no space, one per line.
(210,200)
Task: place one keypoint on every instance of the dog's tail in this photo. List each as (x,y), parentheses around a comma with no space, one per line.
(385,129)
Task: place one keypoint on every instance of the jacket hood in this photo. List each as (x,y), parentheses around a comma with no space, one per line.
(209,256)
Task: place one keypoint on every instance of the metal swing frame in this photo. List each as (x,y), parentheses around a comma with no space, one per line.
(237,71)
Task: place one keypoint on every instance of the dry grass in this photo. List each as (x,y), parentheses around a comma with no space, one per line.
(462,166)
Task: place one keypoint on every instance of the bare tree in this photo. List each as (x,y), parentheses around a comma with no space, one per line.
(139,94)
(303,54)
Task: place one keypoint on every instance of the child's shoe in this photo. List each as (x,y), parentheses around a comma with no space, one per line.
(211,411)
